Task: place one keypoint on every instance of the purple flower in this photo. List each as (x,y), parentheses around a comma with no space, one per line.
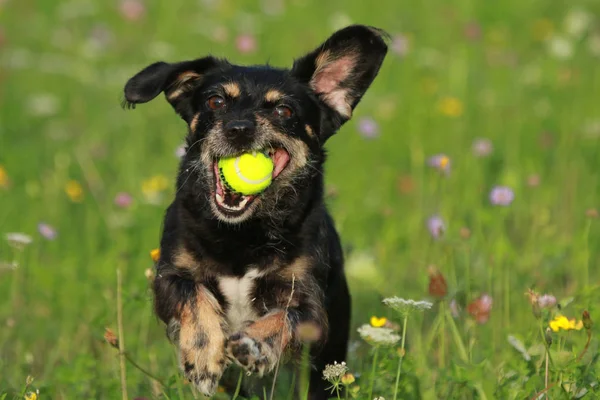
(440,161)
(436,226)
(123,200)
(502,196)
(47,231)
(246,43)
(368,128)
(400,45)
(132,10)
(482,147)
(547,301)
(180,151)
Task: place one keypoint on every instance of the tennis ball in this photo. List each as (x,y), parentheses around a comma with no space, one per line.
(248,173)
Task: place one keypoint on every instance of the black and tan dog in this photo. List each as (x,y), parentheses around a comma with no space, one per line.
(239,274)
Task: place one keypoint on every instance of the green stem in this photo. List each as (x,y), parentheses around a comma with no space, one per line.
(442,337)
(373,369)
(462,352)
(480,391)
(586,263)
(305,371)
(239,386)
(143,370)
(401,356)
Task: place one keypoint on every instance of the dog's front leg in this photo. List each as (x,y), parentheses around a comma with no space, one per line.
(196,325)
(258,347)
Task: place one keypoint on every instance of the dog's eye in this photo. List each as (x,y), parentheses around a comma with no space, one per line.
(216,102)
(283,112)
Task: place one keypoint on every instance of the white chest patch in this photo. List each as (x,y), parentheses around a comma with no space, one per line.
(237,292)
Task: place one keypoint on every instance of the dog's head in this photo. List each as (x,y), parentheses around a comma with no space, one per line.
(288,113)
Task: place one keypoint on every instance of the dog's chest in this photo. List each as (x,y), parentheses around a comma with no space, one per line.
(238,293)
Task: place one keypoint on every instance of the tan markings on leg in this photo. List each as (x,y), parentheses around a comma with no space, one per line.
(273,96)
(259,347)
(297,270)
(309,131)
(272,325)
(202,342)
(194,122)
(232,89)
(184,259)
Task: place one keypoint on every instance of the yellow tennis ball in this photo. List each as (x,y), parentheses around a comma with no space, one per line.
(248,174)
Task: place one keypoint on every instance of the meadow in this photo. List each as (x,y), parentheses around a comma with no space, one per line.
(467,179)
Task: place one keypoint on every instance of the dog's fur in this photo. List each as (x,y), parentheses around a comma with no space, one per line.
(243,284)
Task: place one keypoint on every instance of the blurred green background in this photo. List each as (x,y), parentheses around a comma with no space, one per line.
(503,93)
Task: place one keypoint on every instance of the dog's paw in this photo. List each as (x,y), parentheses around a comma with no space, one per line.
(203,372)
(255,356)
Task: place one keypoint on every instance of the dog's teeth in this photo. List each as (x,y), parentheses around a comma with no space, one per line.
(243,202)
(220,198)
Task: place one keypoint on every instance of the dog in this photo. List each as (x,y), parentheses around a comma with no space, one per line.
(240,278)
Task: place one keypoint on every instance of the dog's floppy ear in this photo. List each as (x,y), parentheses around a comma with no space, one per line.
(342,69)
(175,80)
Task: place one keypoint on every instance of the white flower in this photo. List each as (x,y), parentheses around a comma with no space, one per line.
(378,336)
(407,306)
(560,47)
(335,371)
(577,22)
(43,105)
(18,240)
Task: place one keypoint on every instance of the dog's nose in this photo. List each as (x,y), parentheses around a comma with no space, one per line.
(240,133)
(240,127)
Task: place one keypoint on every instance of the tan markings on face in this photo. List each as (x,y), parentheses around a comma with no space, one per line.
(297,148)
(275,325)
(273,96)
(194,122)
(184,259)
(201,336)
(177,88)
(309,131)
(232,89)
(211,143)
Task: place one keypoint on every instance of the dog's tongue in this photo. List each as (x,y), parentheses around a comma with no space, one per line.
(280,159)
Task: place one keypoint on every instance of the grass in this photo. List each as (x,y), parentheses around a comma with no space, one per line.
(514,72)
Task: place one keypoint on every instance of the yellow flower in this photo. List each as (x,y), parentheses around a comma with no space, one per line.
(155,254)
(155,184)
(378,322)
(444,161)
(153,188)
(542,29)
(561,322)
(451,107)
(348,379)
(74,190)
(31,396)
(3,177)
